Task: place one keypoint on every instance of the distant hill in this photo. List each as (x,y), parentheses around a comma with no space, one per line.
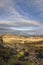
(10,39)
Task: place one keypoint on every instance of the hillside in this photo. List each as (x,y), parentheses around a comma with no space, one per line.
(13,37)
(19,50)
(9,39)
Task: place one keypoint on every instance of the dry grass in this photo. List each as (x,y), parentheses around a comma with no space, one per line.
(18,39)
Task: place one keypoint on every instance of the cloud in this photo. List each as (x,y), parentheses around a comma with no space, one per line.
(23,26)
(32,9)
(21,15)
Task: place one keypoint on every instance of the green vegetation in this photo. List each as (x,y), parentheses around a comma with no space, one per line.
(20,55)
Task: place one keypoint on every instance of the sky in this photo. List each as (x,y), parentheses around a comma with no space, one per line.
(21,17)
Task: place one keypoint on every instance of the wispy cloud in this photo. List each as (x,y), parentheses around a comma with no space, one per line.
(21,15)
